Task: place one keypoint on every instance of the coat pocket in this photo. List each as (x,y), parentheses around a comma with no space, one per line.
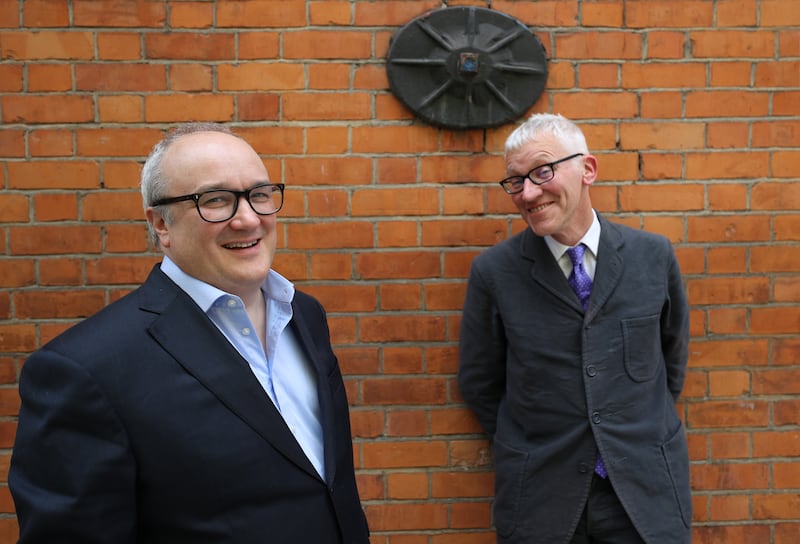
(641,337)
(509,474)
(676,455)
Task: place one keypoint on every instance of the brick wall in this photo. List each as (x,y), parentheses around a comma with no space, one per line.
(692,106)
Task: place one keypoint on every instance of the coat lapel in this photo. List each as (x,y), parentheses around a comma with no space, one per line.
(546,272)
(187,334)
(608,272)
(545,269)
(304,337)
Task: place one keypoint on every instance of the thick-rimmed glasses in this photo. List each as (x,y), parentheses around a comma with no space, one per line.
(538,176)
(220,205)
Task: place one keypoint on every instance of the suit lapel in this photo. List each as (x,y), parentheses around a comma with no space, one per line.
(545,269)
(608,272)
(304,337)
(548,274)
(187,334)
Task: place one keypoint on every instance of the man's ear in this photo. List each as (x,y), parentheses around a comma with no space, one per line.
(589,169)
(159,224)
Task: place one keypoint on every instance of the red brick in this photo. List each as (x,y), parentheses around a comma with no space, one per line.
(127,77)
(57,304)
(407,423)
(261,13)
(182,46)
(730,476)
(647,197)
(730,507)
(728,290)
(401,328)
(663,13)
(732,43)
(198,14)
(335,235)
(776,320)
(328,171)
(119,46)
(119,270)
(737,228)
(191,77)
(174,108)
(47,109)
(776,506)
(720,414)
(330,13)
(731,445)
(49,78)
(400,296)
(599,45)
(327,266)
(329,76)
(406,516)
(361,298)
(60,271)
(405,454)
(47,45)
(56,240)
(117,142)
(402,360)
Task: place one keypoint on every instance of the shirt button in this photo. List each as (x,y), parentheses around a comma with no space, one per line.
(231,303)
(591,371)
(246,331)
(596,417)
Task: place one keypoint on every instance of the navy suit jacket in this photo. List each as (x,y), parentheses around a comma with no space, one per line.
(552,384)
(143,424)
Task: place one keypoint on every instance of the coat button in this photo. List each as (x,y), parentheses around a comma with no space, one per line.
(583,468)
(591,371)
(596,417)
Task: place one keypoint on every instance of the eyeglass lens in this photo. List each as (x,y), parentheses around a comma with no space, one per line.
(221,205)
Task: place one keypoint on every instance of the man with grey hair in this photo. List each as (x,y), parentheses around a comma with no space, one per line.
(207,406)
(573,351)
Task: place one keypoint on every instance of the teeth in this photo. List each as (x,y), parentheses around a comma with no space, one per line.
(241,245)
(538,208)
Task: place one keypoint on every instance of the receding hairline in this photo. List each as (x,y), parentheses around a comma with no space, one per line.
(540,124)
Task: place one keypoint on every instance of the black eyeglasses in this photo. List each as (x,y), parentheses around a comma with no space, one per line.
(538,176)
(220,205)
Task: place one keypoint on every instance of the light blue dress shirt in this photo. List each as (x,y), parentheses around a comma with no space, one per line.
(284,370)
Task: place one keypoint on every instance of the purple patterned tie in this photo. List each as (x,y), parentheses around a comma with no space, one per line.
(581,283)
(579,280)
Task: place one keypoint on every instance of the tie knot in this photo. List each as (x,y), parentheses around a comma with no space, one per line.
(576,254)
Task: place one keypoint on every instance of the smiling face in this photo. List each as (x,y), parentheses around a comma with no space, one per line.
(560,208)
(234,255)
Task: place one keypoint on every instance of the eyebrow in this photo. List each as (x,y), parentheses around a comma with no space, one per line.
(220,187)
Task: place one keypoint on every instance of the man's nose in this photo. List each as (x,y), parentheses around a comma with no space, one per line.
(245,213)
(530,189)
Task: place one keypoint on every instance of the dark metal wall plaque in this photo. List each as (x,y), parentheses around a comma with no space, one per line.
(466,67)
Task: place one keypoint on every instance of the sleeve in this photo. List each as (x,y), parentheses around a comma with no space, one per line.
(481,352)
(72,473)
(675,328)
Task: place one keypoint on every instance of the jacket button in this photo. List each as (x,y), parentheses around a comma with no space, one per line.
(583,468)
(591,371)
(596,417)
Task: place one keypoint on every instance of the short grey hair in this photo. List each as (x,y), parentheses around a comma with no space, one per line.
(546,123)
(153,180)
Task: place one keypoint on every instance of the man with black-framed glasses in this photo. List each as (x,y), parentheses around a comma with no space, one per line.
(207,405)
(573,350)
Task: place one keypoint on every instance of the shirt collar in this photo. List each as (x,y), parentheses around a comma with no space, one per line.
(591,239)
(204,295)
